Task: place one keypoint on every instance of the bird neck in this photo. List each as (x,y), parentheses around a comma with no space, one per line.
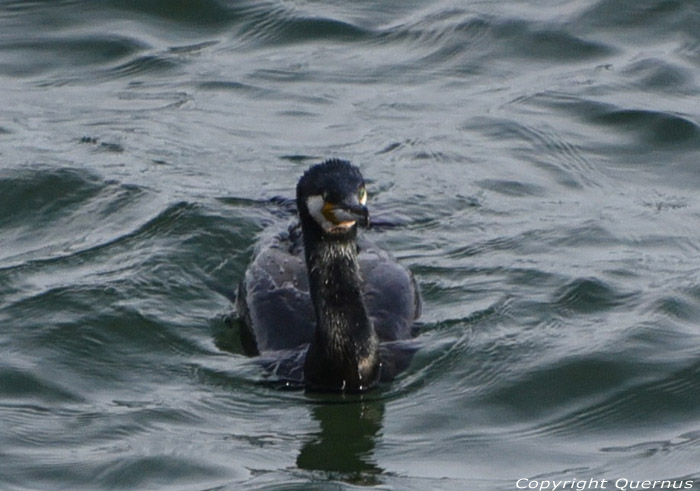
(344,352)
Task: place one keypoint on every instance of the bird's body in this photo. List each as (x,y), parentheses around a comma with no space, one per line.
(319,290)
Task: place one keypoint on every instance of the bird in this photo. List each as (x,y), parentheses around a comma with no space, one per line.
(329,308)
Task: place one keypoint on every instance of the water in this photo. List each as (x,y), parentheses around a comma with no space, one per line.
(541,158)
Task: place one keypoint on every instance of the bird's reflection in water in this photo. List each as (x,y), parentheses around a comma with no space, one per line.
(344,445)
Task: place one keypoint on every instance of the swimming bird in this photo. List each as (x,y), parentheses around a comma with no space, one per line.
(336,301)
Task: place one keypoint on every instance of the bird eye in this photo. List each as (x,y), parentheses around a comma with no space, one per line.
(362,196)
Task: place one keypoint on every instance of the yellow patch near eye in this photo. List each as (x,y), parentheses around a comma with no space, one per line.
(327,211)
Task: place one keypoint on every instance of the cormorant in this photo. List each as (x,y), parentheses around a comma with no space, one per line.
(329,309)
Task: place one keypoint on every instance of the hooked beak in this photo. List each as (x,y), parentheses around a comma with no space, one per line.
(360,212)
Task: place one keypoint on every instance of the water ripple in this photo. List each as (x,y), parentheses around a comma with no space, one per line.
(200,15)
(41,56)
(58,203)
(652,127)
(281,26)
(538,161)
(672,397)
(590,295)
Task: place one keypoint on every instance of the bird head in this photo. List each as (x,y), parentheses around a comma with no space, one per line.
(333,194)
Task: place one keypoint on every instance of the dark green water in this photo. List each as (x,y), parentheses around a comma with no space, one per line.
(542,157)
